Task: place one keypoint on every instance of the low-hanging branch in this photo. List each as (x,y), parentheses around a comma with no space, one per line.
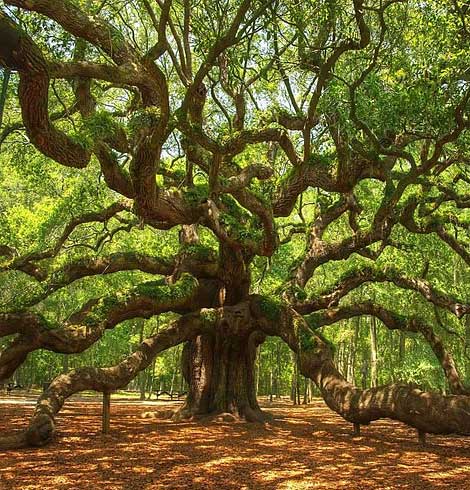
(42,427)
(87,327)
(426,411)
(396,322)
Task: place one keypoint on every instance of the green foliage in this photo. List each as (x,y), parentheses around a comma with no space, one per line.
(196,194)
(307,341)
(143,118)
(99,125)
(200,252)
(162,291)
(208,317)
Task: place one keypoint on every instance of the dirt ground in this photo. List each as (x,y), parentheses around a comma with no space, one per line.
(306,447)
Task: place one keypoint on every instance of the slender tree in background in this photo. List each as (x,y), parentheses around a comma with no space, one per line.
(373,353)
(303,150)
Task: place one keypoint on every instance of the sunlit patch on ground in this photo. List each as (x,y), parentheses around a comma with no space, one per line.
(306,447)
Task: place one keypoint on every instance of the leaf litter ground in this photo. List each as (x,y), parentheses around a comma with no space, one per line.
(306,447)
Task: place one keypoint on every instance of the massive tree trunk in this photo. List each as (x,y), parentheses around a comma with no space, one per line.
(220,370)
(219,366)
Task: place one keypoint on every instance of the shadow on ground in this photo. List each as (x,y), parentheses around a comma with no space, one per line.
(306,447)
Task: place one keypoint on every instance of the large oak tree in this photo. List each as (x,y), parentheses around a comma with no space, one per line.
(247,126)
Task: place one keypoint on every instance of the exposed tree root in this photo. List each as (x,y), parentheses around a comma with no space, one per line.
(254,416)
(249,414)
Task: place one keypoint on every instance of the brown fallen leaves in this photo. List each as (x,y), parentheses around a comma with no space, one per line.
(306,447)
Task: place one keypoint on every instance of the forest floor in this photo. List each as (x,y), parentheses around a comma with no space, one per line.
(306,447)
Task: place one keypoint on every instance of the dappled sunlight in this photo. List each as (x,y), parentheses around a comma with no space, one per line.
(304,447)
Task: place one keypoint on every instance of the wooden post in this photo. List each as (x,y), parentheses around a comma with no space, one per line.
(422,437)
(357,430)
(106,412)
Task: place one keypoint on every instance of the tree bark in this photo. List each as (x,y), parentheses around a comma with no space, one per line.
(219,368)
(429,412)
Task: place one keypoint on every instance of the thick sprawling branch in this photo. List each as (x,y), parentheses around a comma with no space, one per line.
(42,428)
(96,31)
(426,411)
(21,54)
(117,262)
(396,322)
(18,52)
(355,279)
(84,329)
(127,74)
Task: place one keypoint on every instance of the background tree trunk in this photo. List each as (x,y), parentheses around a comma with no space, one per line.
(3,92)
(351,371)
(374,382)
(278,371)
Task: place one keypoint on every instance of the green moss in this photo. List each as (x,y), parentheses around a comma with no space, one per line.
(144,118)
(156,290)
(271,307)
(231,207)
(348,274)
(45,323)
(209,316)
(161,291)
(313,320)
(83,140)
(200,252)
(326,341)
(197,194)
(307,341)
(97,314)
(324,160)
(263,192)
(239,223)
(299,293)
